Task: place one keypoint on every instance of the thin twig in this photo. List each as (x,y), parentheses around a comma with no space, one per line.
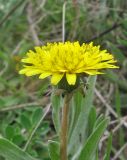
(119,152)
(4,68)
(36,127)
(21,106)
(18,46)
(115,26)
(105,103)
(118,120)
(121,122)
(63,22)
(32,24)
(109,107)
(11,12)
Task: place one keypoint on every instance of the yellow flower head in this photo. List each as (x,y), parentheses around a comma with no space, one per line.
(66,60)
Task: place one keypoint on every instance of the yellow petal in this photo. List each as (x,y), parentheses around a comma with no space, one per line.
(23,71)
(71,78)
(38,50)
(44,75)
(26,60)
(29,71)
(56,78)
(32,72)
(92,72)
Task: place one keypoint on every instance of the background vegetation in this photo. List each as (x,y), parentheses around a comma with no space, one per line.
(28,23)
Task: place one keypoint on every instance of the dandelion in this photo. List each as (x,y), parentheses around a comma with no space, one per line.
(70,60)
(66,63)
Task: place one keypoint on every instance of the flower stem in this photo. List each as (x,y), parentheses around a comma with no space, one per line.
(64,127)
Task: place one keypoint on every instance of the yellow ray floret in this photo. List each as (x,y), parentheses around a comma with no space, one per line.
(66,59)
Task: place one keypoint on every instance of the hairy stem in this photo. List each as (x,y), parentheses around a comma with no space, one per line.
(64,127)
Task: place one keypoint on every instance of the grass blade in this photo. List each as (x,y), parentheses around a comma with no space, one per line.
(11,152)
